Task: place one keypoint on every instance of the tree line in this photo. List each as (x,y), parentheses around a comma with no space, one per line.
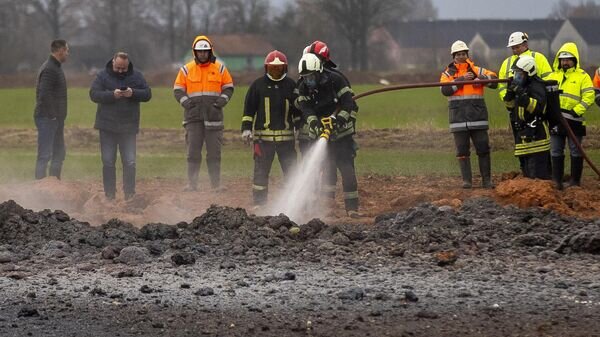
(159,32)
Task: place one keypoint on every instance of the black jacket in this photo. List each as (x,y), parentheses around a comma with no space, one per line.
(119,115)
(269,106)
(332,93)
(51,91)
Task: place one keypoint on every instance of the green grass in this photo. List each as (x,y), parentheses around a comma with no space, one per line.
(404,108)
(18,164)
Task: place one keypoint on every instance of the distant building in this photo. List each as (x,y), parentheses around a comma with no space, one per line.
(583,32)
(241,52)
(423,45)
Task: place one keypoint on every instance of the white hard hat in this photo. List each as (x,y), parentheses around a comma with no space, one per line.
(458,46)
(202,45)
(309,63)
(565,55)
(526,63)
(517,38)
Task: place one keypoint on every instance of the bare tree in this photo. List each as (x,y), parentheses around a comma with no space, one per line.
(56,14)
(355,19)
(250,16)
(564,10)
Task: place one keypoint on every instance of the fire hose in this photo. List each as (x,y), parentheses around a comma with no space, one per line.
(563,121)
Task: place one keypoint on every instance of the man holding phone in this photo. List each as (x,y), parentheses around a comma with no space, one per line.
(118,89)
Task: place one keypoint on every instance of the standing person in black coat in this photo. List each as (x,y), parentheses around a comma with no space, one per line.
(269,110)
(118,89)
(51,111)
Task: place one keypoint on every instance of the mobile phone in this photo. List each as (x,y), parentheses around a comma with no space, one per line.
(123,88)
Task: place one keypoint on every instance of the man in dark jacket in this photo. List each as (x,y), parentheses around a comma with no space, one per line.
(118,89)
(51,111)
(323,94)
(269,110)
(526,100)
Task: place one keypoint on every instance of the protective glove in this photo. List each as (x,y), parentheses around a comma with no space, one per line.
(220,102)
(573,113)
(188,104)
(314,127)
(523,100)
(247,136)
(509,96)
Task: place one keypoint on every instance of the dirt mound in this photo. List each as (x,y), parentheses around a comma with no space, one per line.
(478,226)
(523,192)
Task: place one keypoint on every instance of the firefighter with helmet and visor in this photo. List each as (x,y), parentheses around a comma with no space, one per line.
(267,121)
(468,113)
(323,94)
(526,101)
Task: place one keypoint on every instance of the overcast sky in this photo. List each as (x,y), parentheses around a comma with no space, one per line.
(500,9)
(489,9)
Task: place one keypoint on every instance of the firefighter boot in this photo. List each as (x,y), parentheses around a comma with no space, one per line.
(485,168)
(465,171)
(558,171)
(576,171)
(193,170)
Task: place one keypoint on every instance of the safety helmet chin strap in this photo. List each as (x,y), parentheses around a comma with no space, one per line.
(277,80)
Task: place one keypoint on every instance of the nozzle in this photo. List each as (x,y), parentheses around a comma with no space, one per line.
(327,123)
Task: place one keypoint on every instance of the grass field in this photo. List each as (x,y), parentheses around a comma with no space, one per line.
(404,108)
(400,109)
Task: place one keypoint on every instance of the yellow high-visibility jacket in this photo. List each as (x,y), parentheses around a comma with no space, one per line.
(541,63)
(576,85)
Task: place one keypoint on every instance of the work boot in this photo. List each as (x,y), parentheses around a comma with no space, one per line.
(465,171)
(576,171)
(485,168)
(558,171)
(193,170)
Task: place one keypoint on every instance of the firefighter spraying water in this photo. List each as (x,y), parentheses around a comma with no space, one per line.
(298,202)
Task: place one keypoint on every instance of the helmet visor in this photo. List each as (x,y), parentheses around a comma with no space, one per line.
(311,79)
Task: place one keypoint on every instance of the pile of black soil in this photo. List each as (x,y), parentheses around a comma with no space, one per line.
(482,269)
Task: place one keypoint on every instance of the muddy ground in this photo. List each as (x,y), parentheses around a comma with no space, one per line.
(426,259)
(440,262)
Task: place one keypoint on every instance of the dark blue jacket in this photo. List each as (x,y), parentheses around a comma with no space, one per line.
(51,91)
(119,115)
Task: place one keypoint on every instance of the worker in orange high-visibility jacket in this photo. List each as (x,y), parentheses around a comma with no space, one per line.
(468,112)
(203,87)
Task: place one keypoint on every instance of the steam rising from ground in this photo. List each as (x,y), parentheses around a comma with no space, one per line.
(299,200)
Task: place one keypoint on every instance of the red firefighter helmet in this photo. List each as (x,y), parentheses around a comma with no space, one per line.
(320,49)
(273,60)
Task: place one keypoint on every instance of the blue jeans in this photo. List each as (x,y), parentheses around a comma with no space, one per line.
(126,144)
(557,146)
(51,146)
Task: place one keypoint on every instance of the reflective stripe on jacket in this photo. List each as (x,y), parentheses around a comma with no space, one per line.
(269,109)
(467,109)
(203,84)
(541,63)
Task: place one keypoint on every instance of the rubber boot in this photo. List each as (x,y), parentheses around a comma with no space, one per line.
(193,170)
(558,171)
(576,171)
(485,168)
(465,171)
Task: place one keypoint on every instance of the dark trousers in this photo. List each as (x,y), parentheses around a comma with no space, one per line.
(536,165)
(195,137)
(126,144)
(462,141)
(264,154)
(340,156)
(51,146)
